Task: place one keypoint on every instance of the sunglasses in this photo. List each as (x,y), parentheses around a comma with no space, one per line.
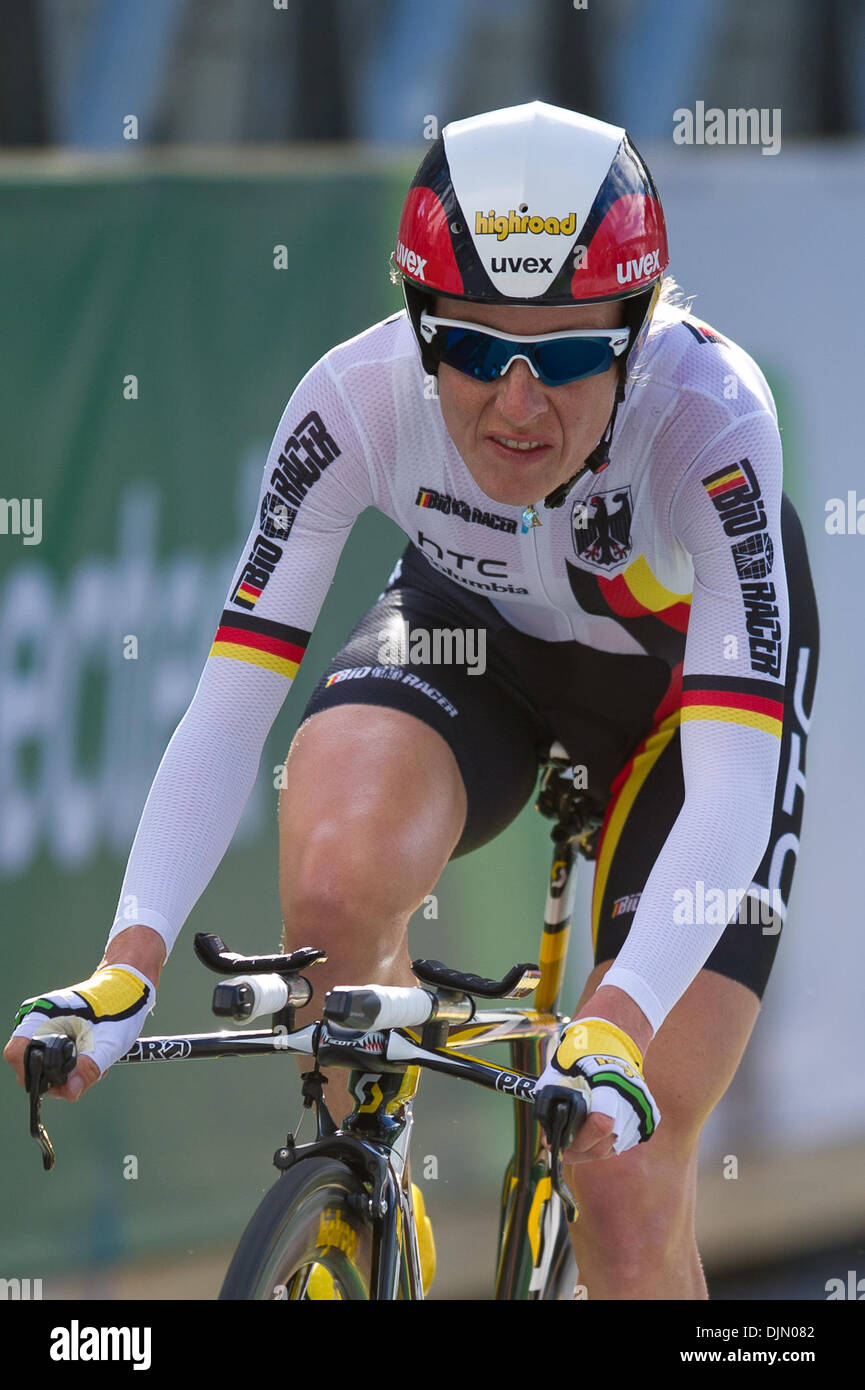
(555,358)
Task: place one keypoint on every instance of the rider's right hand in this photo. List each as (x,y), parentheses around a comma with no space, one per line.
(103,1015)
(596,1056)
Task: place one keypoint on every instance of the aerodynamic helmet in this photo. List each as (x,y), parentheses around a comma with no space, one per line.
(533,205)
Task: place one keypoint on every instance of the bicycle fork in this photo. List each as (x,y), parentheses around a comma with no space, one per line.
(374,1143)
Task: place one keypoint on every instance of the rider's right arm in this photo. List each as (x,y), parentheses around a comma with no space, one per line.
(315,484)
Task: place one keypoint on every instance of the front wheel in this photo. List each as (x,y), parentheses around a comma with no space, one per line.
(306,1240)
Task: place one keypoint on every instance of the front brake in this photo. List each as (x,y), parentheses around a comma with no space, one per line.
(561,1112)
(47,1062)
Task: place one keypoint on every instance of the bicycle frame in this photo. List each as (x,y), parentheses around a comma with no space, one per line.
(375,1140)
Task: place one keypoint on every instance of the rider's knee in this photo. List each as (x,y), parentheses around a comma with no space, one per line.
(636,1208)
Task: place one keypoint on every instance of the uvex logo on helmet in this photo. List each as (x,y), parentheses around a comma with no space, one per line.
(530,264)
(410,261)
(503,224)
(637,270)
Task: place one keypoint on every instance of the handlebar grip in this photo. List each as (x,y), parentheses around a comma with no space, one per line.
(378,1006)
(246,997)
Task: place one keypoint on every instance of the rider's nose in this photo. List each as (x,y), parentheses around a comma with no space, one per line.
(520,397)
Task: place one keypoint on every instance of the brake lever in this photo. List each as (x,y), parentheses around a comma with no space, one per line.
(558,1139)
(47,1062)
(561,1112)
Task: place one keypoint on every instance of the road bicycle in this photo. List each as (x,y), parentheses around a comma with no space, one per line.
(343,1202)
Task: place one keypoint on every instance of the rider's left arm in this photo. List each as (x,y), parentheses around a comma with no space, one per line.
(730,725)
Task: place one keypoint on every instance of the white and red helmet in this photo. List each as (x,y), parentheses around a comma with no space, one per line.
(533,205)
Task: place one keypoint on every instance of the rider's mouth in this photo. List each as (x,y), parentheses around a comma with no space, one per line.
(514,447)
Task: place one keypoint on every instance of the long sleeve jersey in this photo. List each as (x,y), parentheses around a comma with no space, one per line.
(674,550)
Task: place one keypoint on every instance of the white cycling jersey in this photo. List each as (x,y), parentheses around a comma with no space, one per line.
(673,551)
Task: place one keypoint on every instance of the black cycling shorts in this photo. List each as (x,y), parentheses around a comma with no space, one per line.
(602,706)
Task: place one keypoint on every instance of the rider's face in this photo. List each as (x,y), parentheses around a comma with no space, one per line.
(565,421)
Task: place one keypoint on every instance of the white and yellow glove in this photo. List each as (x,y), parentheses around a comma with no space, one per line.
(594,1052)
(103,1015)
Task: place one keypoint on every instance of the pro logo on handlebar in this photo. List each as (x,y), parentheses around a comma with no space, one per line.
(515,1085)
(158,1050)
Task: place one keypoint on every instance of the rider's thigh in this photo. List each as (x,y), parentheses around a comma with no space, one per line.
(372,807)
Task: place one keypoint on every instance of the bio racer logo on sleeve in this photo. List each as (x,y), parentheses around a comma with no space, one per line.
(736,497)
(307,452)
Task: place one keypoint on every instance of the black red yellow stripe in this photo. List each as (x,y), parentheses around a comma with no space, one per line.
(248,592)
(260,642)
(655,616)
(702,332)
(734,700)
(728,477)
(636,592)
(757,704)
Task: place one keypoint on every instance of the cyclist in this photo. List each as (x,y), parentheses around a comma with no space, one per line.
(590,479)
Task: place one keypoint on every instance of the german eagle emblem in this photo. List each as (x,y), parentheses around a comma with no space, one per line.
(602,528)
